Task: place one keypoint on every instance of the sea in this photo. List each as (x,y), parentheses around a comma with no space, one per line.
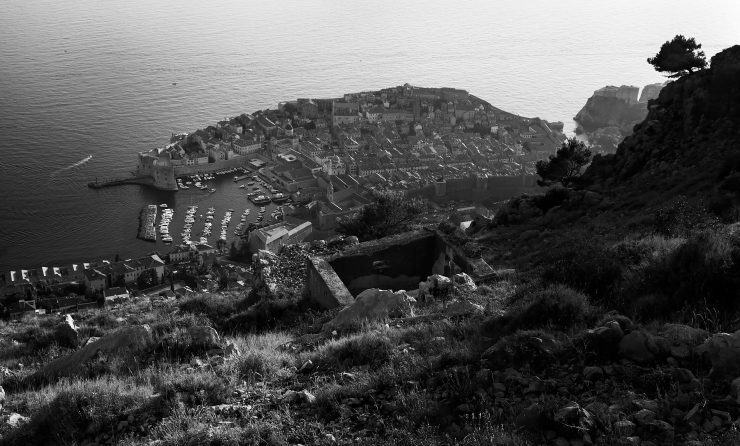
(86,84)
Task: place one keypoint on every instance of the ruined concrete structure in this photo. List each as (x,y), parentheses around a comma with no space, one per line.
(397,262)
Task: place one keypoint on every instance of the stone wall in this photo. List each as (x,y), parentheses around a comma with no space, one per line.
(211,167)
(496,188)
(324,285)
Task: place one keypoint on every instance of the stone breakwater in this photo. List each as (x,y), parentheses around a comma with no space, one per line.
(147,219)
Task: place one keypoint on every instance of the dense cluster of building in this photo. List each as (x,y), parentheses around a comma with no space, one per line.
(396,138)
(329,155)
(105,279)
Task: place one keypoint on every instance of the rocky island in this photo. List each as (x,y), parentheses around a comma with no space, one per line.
(611,112)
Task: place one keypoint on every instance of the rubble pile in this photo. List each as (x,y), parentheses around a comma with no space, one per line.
(288,269)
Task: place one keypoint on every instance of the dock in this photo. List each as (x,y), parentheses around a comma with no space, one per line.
(145,181)
(147,218)
(243,177)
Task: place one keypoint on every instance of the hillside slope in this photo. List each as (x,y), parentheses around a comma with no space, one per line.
(686,149)
(688,143)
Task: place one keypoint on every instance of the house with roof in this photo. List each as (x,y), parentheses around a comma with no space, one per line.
(274,237)
(125,271)
(268,127)
(245,147)
(374,114)
(205,253)
(294,176)
(116,293)
(307,108)
(181,253)
(95,281)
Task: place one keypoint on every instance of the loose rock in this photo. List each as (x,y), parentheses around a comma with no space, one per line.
(372,305)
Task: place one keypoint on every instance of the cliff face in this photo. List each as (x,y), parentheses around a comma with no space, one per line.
(687,146)
(689,142)
(611,113)
(604,111)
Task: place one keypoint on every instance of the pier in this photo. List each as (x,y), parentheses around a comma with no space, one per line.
(243,177)
(144,181)
(147,219)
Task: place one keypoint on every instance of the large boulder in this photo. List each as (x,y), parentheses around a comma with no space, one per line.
(572,420)
(205,337)
(372,305)
(436,286)
(15,420)
(127,342)
(464,283)
(66,332)
(532,417)
(604,340)
(724,353)
(642,347)
(463,308)
(683,339)
(302,397)
(538,349)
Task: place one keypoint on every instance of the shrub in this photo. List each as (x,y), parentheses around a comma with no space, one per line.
(216,308)
(196,387)
(589,268)
(369,347)
(556,306)
(706,268)
(681,218)
(472,249)
(485,290)
(553,197)
(261,356)
(68,410)
(103,320)
(538,348)
(639,252)
(265,314)
(190,427)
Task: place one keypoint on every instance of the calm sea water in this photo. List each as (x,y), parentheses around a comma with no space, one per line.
(95,78)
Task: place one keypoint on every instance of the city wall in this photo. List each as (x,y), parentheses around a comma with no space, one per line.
(495,188)
(211,167)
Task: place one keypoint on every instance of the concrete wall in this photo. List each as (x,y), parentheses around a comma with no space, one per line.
(397,262)
(398,266)
(324,285)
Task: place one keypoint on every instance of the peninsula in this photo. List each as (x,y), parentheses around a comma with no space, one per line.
(401,137)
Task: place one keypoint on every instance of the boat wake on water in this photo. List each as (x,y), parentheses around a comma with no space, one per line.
(72,166)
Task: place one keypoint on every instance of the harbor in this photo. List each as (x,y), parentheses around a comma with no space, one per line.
(195,215)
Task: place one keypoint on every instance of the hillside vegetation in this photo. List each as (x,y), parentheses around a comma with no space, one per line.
(614,323)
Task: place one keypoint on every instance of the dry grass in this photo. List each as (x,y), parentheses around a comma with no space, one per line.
(368,347)
(63,412)
(261,357)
